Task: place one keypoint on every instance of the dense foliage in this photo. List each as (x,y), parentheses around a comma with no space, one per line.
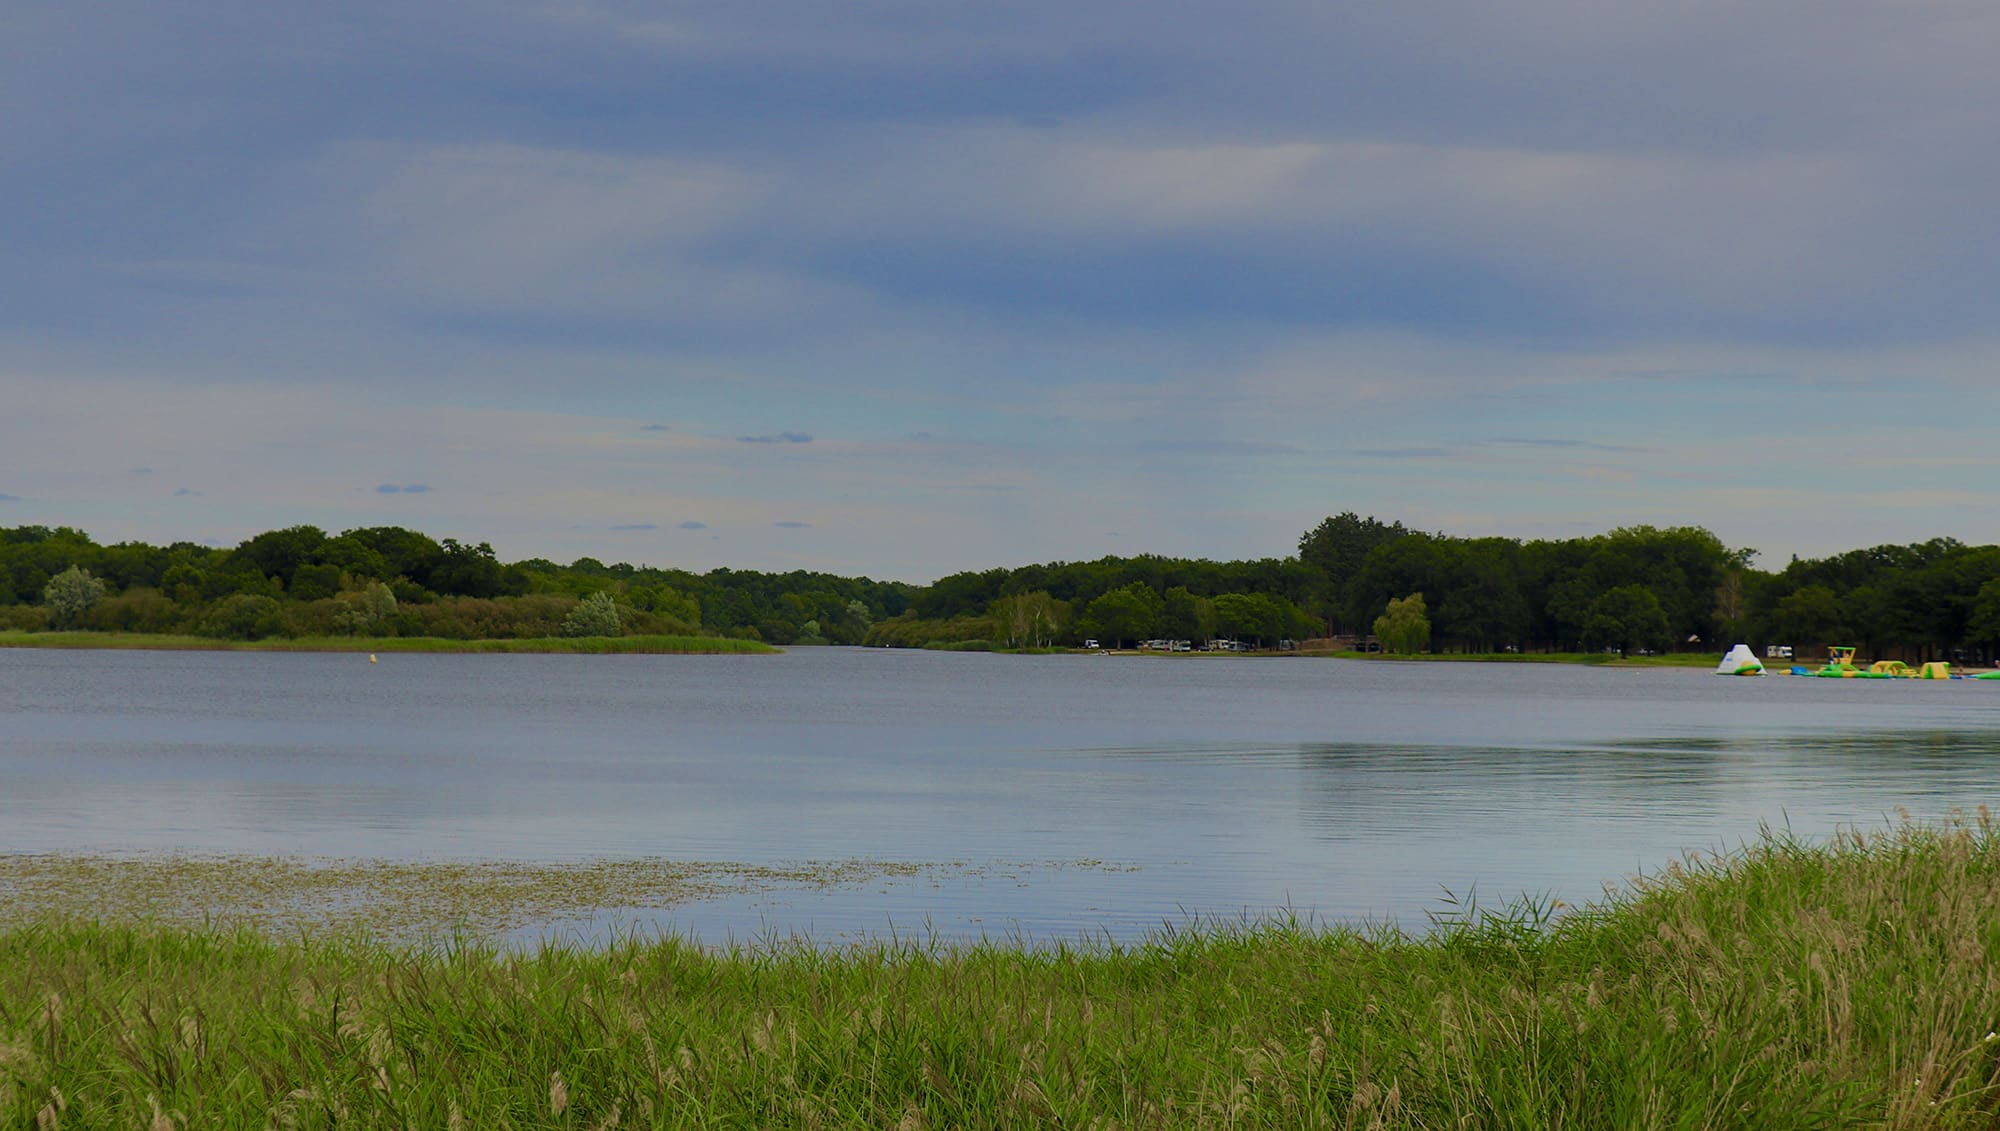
(388,581)
(1633,589)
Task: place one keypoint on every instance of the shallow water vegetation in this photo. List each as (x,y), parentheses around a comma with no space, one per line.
(385,899)
(1787,985)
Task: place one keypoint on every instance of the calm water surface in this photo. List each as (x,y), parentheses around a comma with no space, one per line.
(1082,793)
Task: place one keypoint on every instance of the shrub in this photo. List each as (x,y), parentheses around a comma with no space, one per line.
(595,615)
(135,610)
(245,616)
(70,594)
(24,618)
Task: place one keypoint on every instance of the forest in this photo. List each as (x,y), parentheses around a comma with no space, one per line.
(1640,588)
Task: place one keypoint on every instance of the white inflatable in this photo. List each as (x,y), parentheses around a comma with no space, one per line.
(1740,661)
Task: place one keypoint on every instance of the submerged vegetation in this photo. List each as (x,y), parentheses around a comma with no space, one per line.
(1785,986)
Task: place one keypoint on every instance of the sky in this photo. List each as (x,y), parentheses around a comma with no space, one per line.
(902,288)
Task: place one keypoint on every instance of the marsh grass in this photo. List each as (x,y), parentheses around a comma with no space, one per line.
(590,645)
(1784,986)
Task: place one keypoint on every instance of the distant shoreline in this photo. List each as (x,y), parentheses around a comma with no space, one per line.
(578,645)
(1586,659)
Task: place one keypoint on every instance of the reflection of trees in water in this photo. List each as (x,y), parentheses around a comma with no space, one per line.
(1350,790)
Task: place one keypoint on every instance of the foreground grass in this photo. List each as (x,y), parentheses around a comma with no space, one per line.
(582,644)
(1783,987)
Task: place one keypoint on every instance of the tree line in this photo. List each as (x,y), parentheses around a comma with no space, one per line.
(391,581)
(1633,588)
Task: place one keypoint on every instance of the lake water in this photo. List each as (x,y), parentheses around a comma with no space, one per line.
(1078,794)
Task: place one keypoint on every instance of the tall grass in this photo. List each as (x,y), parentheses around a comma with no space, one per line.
(385,644)
(1787,986)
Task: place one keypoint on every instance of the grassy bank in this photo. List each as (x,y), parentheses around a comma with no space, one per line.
(594,645)
(1784,987)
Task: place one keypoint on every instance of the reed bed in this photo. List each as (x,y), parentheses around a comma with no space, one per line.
(1783,986)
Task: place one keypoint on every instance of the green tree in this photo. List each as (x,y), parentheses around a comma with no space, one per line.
(279,553)
(1625,618)
(1030,620)
(1984,623)
(1404,626)
(1335,549)
(1257,616)
(69,595)
(1189,617)
(1810,616)
(366,612)
(314,582)
(1125,614)
(595,615)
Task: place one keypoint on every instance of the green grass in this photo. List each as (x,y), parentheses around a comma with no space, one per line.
(579,644)
(1786,986)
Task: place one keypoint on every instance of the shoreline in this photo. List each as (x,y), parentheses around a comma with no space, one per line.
(553,645)
(1699,660)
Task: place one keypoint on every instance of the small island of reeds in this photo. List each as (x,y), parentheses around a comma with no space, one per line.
(1788,985)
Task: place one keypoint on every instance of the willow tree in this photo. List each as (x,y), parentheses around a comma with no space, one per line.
(1405,626)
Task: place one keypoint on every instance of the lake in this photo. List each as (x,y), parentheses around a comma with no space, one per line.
(1070,795)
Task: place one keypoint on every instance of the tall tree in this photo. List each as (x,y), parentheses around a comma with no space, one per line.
(1335,550)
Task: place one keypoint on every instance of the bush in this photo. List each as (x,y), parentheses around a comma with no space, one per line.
(69,595)
(135,610)
(912,631)
(24,618)
(246,616)
(480,618)
(595,615)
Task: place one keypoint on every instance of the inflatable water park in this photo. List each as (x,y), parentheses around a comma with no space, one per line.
(1841,664)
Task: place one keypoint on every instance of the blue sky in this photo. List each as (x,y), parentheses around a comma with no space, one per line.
(905,288)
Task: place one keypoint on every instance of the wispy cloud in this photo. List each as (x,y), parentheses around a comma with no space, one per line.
(792,525)
(1569,445)
(636,526)
(1402,453)
(654,428)
(692,525)
(11,499)
(186,493)
(1219,447)
(407,489)
(777,438)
